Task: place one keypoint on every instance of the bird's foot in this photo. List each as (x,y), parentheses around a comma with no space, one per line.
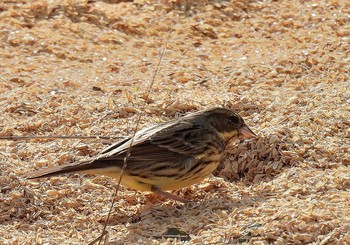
(169,195)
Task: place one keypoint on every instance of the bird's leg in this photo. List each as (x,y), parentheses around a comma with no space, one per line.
(168,195)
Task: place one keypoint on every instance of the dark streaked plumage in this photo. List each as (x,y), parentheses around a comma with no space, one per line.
(167,156)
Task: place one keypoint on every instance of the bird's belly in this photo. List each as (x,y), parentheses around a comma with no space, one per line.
(186,179)
(162,182)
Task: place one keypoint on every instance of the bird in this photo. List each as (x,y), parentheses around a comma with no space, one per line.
(167,156)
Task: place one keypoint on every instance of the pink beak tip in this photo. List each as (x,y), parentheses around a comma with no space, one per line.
(247,133)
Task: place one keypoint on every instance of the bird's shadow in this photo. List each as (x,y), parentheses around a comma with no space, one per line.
(190,217)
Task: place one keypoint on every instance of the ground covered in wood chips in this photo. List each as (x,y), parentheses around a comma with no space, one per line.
(84,68)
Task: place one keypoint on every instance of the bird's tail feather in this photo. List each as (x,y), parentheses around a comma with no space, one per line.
(88,166)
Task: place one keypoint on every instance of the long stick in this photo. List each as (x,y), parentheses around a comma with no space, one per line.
(128,153)
(53,137)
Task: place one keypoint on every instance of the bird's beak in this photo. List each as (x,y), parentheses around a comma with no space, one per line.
(247,133)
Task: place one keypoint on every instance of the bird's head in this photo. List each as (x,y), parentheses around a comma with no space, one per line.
(228,124)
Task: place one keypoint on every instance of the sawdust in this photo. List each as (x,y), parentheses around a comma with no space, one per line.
(84,67)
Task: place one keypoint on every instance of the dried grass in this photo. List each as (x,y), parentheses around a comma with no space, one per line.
(83,67)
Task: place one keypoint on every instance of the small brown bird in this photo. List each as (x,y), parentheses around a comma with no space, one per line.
(167,156)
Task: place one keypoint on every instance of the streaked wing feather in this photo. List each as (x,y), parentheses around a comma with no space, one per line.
(140,137)
(173,143)
(186,138)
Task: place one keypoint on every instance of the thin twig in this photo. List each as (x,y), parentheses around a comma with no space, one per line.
(98,238)
(53,137)
(128,153)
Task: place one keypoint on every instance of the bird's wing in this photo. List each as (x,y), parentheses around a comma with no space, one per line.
(165,143)
(176,143)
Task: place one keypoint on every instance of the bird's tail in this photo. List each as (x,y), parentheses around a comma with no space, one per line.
(88,166)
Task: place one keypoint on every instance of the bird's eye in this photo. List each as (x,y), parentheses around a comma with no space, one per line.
(234,119)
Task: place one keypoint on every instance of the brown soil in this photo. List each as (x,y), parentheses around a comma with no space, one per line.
(84,68)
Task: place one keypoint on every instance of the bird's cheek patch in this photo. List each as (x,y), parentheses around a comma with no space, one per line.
(227,136)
